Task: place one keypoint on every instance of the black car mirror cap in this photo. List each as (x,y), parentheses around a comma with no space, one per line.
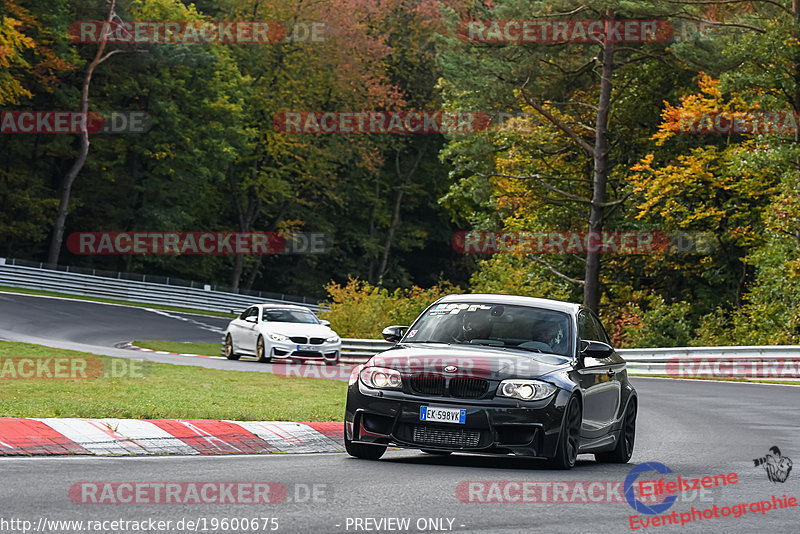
(393,334)
(595,349)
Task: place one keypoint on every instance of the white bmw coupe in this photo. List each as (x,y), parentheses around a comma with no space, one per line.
(281,332)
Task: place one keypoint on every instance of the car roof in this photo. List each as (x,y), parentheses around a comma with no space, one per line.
(282,307)
(547,304)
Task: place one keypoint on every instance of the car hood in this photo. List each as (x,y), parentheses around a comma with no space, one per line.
(297,329)
(470,361)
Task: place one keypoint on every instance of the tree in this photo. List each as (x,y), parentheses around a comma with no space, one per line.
(83,151)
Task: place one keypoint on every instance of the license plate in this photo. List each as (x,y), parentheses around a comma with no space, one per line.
(442,415)
(305,347)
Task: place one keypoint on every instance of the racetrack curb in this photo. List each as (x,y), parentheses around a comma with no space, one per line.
(134,437)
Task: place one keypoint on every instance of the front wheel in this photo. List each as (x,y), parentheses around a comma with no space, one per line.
(260,352)
(627,436)
(570,439)
(229,348)
(359,450)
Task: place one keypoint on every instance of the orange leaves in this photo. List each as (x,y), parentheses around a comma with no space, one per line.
(708,101)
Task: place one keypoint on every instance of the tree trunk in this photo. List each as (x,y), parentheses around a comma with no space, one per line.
(398,202)
(246,220)
(69,178)
(591,288)
(372,215)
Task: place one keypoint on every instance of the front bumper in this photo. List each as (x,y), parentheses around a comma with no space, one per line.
(492,426)
(291,351)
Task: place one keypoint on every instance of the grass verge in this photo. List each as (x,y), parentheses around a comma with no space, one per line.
(160,390)
(25,291)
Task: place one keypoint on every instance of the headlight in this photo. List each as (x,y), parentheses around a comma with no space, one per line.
(525,389)
(381,378)
(332,339)
(278,337)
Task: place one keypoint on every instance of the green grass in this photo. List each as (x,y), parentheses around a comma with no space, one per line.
(754,380)
(9,289)
(165,391)
(208,349)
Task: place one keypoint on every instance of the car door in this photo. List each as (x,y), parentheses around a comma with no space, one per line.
(599,379)
(247,331)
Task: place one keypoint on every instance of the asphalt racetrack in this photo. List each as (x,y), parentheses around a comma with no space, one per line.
(695,428)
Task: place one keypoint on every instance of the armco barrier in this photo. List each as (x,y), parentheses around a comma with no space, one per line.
(733,362)
(361,350)
(132,290)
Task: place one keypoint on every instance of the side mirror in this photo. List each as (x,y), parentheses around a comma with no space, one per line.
(324,322)
(251,319)
(595,349)
(394,334)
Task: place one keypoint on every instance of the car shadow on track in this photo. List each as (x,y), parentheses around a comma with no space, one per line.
(486,462)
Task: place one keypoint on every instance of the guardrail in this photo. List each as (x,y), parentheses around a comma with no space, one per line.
(361,350)
(133,290)
(774,362)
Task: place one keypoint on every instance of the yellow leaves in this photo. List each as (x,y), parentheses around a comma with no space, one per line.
(681,118)
(709,86)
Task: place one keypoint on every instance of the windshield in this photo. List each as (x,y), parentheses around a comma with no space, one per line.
(289,316)
(496,325)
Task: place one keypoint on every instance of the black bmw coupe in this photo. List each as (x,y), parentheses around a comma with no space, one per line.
(495,374)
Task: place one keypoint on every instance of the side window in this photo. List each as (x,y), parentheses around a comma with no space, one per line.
(587,327)
(601,332)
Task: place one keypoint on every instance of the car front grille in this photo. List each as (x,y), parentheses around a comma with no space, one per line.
(427,385)
(462,388)
(445,437)
(307,354)
(317,340)
(299,339)
(468,388)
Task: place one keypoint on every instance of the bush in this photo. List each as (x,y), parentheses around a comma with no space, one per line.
(654,323)
(361,310)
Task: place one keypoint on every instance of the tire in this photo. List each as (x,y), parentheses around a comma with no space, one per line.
(627,438)
(570,437)
(260,354)
(229,348)
(359,450)
(437,453)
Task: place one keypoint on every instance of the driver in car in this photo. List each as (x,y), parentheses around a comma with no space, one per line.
(550,333)
(476,326)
